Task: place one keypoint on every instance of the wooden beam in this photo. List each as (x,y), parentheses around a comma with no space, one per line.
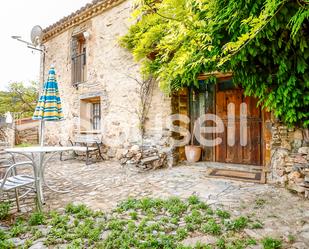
(204,76)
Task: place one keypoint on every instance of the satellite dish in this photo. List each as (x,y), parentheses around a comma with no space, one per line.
(36,35)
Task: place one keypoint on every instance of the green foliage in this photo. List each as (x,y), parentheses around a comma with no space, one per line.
(257,225)
(80,211)
(4,209)
(18,228)
(263,42)
(237,224)
(259,203)
(223,214)
(19,99)
(212,227)
(137,223)
(270,243)
(193,199)
(37,218)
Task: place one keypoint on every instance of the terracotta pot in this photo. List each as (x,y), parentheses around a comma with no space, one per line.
(193,153)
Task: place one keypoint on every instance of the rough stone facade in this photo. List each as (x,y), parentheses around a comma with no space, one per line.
(111,71)
(290,158)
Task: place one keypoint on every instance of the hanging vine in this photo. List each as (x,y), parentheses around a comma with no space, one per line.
(264,42)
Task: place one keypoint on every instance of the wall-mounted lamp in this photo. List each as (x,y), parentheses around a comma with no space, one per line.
(86,35)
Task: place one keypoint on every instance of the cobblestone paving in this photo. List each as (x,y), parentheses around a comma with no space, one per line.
(103,185)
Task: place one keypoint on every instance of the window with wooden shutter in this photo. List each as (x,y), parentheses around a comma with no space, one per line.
(78,55)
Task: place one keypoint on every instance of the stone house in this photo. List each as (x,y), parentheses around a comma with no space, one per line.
(100,86)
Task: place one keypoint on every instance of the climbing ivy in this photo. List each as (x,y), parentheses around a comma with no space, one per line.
(265,43)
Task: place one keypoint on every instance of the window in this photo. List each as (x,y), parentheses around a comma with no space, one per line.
(78,64)
(225,84)
(96,116)
(90,115)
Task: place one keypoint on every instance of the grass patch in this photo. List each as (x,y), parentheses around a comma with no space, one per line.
(270,243)
(37,218)
(136,223)
(4,210)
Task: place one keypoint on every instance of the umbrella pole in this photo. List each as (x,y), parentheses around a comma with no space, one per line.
(42,128)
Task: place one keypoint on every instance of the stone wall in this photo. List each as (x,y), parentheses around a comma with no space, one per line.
(7,136)
(290,158)
(28,136)
(110,75)
(27,131)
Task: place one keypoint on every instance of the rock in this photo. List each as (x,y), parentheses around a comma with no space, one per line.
(254,247)
(298,135)
(297,143)
(288,169)
(206,239)
(299,245)
(130,154)
(105,234)
(111,153)
(305,235)
(303,150)
(17,241)
(138,156)
(294,176)
(5,228)
(134,148)
(149,159)
(120,153)
(300,159)
(296,187)
(253,234)
(45,230)
(280,172)
(38,245)
(286,145)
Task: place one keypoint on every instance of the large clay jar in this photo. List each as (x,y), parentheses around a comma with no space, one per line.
(193,153)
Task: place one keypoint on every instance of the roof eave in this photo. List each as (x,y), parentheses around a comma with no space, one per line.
(87,12)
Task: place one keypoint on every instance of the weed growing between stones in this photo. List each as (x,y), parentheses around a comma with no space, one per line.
(138,223)
(4,209)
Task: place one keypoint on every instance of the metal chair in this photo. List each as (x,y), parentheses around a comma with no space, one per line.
(13,181)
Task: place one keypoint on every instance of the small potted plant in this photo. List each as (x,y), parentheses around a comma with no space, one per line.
(193,152)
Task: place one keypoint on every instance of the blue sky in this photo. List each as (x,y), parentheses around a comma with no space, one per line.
(17,17)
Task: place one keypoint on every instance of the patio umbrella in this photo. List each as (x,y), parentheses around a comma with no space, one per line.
(49,104)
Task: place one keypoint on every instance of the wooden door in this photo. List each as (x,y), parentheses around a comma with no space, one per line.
(248,149)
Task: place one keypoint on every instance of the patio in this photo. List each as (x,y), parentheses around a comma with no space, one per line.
(104,185)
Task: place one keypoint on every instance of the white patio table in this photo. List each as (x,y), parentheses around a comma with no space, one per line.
(38,156)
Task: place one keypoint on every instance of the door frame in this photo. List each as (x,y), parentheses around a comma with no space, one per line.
(180,104)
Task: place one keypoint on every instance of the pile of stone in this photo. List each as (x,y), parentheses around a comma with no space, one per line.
(143,157)
(302,161)
(297,170)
